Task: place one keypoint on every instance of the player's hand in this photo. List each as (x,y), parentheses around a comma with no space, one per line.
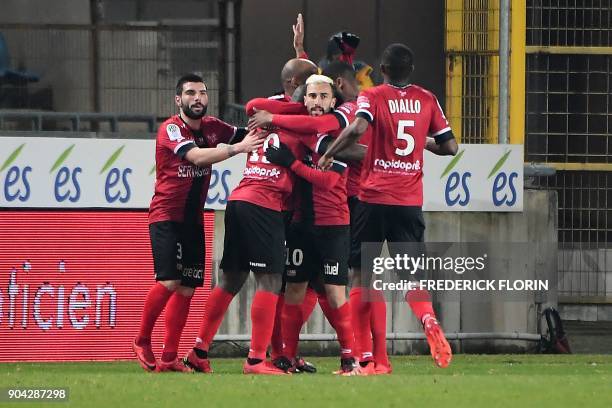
(298,36)
(325,162)
(280,155)
(252,141)
(261,119)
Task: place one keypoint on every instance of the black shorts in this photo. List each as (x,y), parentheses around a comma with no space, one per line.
(254,239)
(178,252)
(378,223)
(352,202)
(299,258)
(318,253)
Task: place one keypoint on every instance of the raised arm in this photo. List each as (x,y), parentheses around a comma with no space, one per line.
(298,38)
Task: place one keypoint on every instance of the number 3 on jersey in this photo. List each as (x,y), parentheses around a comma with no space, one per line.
(275,142)
(403,135)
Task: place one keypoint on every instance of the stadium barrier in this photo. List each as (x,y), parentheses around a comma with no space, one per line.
(74,279)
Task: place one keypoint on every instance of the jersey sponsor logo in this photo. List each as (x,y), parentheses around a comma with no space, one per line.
(195,273)
(258,264)
(331,267)
(192,171)
(174,133)
(390,165)
(260,172)
(404,106)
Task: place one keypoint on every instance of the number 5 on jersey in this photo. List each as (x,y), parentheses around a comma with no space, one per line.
(275,142)
(403,135)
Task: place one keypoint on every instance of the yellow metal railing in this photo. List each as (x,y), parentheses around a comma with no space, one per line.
(517,71)
(472,71)
(472,82)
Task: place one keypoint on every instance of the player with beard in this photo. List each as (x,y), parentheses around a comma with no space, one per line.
(255,241)
(370,332)
(293,74)
(402,116)
(186,147)
(322,239)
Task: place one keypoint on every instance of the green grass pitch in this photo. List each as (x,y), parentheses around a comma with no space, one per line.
(517,381)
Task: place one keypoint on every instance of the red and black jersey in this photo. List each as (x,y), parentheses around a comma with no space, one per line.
(266,184)
(180,186)
(322,205)
(401,119)
(325,205)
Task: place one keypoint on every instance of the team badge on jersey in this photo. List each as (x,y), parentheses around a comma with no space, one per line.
(174,133)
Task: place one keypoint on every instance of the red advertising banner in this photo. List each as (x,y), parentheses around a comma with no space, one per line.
(73,283)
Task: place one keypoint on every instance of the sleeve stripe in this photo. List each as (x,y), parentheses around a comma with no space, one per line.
(439,132)
(346,121)
(339,163)
(441,111)
(367,113)
(321,138)
(178,146)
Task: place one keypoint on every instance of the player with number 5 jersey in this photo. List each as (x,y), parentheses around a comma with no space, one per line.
(393,166)
(405,119)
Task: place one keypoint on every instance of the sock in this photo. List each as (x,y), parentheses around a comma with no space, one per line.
(344,329)
(277,333)
(360,318)
(419,301)
(154,304)
(328,311)
(308,304)
(263,310)
(292,325)
(214,310)
(378,323)
(176,316)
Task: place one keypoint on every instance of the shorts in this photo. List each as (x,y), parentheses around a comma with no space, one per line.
(299,259)
(178,252)
(377,223)
(318,253)
(254,239)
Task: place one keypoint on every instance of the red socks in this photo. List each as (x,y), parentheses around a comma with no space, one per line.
(308,304)
(292,325)
(214,310)
(378,322)
(277,333)
(154,304)
(263,309)
(420,303)
(360,317)
(177,311)
(344,329)
(328,311)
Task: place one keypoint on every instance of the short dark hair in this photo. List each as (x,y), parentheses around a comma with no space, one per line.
(398,61)
(187,78)
(338,69)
